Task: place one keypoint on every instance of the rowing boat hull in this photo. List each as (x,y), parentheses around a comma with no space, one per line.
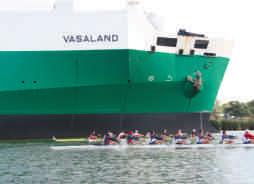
(194,146)
(70,140)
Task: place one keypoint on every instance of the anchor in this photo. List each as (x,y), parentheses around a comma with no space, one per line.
(197,81)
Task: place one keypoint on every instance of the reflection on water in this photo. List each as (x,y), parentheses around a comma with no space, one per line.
(36,163)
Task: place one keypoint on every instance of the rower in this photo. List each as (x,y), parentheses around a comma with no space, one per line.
(113,138)
(248,137)
(153,139)
(248,134)
(165,135)
(201,139)
(194,136)
(165,132)
(106,139)
(193,133)
(180,138)
(130,138)
(209,136)
(179,133)
(122,137)
(136,135)
(226,139)
(110,139)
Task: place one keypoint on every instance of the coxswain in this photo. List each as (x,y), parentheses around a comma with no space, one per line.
(54,138)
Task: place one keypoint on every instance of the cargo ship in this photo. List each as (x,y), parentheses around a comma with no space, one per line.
(66,73)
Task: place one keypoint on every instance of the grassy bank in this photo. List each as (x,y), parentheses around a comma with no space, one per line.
(233,124)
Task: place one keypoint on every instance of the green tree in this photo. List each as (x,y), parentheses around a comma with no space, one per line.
(237,109)
(251,107)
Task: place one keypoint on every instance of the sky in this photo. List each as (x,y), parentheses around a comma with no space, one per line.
(229,19)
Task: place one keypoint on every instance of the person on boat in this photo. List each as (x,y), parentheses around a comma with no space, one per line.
(122,137)
(209,136)
(165,132)
(248,137)
(248,134)
(227,139)
(130,138)
(165,135)
(92,137)
(106,139)
(201,139)
(193,133)
(180,138)
(136,136)
(193,136)
(110,139)
(153,138)
(114,137)
(54,138)
(179,133)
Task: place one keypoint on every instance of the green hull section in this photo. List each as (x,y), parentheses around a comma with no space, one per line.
(106,81)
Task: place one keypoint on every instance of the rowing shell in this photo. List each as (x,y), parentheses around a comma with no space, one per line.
(70,140)
(77,140)
(192,146)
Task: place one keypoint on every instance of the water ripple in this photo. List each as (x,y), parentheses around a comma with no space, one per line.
(36,163)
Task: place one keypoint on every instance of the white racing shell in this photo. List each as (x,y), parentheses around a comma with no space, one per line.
(191,146)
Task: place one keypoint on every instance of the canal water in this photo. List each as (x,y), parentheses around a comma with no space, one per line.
(29,162)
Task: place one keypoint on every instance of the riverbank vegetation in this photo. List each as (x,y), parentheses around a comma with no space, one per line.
(233,115)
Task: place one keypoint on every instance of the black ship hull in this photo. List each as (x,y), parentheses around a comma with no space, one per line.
(46,126)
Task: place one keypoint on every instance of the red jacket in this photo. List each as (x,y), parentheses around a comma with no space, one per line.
(248,135)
